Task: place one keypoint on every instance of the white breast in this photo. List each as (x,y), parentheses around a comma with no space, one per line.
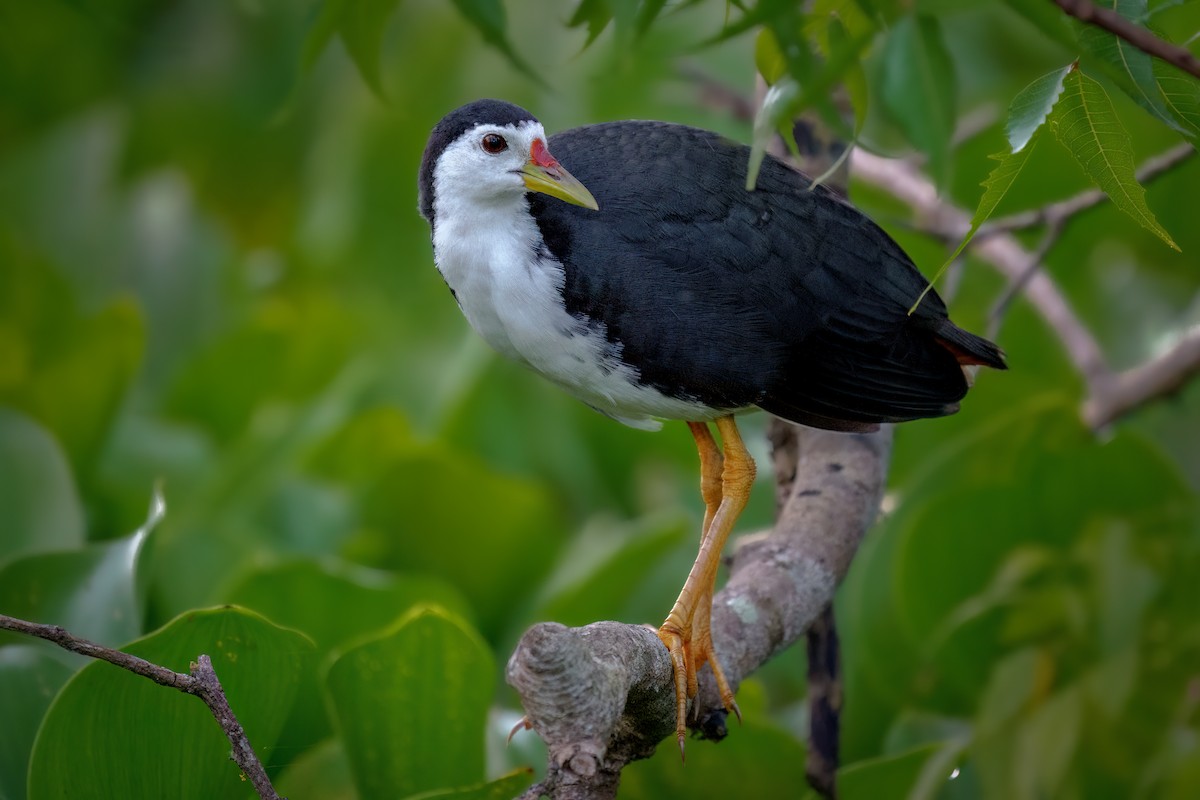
(512,296)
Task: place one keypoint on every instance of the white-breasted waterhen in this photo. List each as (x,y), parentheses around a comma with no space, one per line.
(666,290)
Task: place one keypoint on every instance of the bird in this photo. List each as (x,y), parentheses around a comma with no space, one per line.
(628,263)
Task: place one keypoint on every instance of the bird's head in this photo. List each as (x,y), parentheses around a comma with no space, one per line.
(488,152)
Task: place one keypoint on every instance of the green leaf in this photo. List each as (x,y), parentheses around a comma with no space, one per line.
(502,788)
(92,592)
(321,772)
(40,507)
(733,769)
(1049,20)
(411,705)
(1047,743)
(362,24)
(88,746)
(885,776)
(1181,94)
(610,572)
(489,19)
(1031,107)
(512,525)
(595,14)
(919,88)
(1087,124)
(1132,68)
(995,186)
(30,676)
(332,603)
(768,57)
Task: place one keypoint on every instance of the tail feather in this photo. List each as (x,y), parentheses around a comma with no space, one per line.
(968,348)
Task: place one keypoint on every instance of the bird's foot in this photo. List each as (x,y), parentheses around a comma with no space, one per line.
(690,650)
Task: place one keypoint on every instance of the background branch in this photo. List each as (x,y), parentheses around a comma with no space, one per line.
(1110,394)
(201,681)
(1139,37)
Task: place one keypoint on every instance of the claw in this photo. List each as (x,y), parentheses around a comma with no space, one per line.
(523,725)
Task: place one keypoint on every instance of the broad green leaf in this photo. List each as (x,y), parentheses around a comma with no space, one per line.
(1181,94)
(414,519)
(919,88)
(111,733)
(40,508)
(1031,107)
(322,772)
(1087,124)
(92,592)
(607,582)
(29,678)
(1047,744)
(411,705)
(885,776)
(332,603)
(325,25)
(75,386)
(502,788)
(731,769)
(1012,686)
(1132,68)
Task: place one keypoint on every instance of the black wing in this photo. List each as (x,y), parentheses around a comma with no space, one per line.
(784,298)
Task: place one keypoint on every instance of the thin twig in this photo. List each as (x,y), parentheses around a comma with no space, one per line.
(1092,14)
(201,682)
(1063,210)
(1017,285)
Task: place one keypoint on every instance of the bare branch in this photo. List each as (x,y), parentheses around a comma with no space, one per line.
(1159,377)
(1088,12)
(602,695)
(202,682)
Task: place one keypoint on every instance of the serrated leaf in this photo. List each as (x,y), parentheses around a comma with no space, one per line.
(1085,121)
(1181,94)
(411,705)
(995,186)
(1031,107)
(919,88)
(1132,68)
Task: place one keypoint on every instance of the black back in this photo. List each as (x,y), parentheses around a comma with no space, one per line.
(783,297)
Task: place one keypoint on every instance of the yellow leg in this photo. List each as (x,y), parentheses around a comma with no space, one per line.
(725,483)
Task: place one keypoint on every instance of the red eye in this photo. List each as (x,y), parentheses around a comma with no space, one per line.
(494,143)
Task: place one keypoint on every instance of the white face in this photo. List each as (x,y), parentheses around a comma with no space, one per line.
(484,164)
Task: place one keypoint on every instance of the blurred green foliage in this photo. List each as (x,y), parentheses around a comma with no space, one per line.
(212,274)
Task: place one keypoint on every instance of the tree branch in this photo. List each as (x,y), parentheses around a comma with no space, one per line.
(201,682)
(1088,12)
(1063,210)
(601,696)
(1159,377)
(1110,395)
